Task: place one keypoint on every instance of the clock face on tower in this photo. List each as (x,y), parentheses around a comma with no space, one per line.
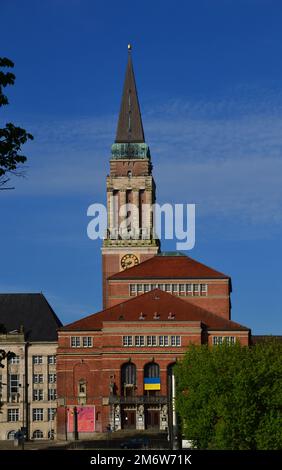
(128,261)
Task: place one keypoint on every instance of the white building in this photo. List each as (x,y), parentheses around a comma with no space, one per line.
(28,328)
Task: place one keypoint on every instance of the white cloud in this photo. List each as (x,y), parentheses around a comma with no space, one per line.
(225,156)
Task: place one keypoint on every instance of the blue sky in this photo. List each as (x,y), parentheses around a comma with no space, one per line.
(209,77)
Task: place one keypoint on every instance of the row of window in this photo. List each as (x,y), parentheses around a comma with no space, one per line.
(177,289)
(39,359)
(39,378)
(38,394)
(14,360)
(35,360)
(13,414)
(14,381)
(223,339)
(37,434)
(129,373)
(151,341)
(38,414)
(81,341)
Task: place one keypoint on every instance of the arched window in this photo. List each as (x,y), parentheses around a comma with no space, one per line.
(37,434)
(82,387)
(11,435)
(129,174)
(152,370)
(128,379)
(152,382)
(51,434)
(82,392)
(128,374)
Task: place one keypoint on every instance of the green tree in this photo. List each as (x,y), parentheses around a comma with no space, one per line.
(11,137)
(3,355)
(230,396)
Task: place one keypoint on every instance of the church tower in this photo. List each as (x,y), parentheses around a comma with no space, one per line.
(131,191)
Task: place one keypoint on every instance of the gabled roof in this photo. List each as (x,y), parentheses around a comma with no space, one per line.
(170,266)
(130,127)
(33,312)
(152,304)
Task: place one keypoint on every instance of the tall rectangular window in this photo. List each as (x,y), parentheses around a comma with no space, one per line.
(168,287)
(52,359)
(52,394)
(38,395)
(182,289)
(127,341)
(142,201)
(52,378)
(37,378)
(37,414)
(178,341)
(37,359)
(204,289)
(217,340)
(13,414)
(115,203)
(132,289)
(87,341)
(174,288)
(75,341)
(189,289)
(14,360)
(51,414)
(139,341)
(151,340)
(139,288)
(13,384)
(146,287)
(166,342)
(196,289)
(161,340)
(230,339)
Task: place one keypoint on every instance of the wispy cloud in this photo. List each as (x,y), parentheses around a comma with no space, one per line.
(225,156)
(69,311)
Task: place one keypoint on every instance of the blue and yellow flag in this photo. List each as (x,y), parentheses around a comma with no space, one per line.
(152,383)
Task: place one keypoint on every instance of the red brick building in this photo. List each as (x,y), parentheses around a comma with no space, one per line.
(176,274)
(115,367)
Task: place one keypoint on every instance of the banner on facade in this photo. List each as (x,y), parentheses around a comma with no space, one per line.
(152,383)
(85,419)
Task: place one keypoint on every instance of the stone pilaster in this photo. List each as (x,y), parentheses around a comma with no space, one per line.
(135,214)
(116,418)
(140,418)
(163,418)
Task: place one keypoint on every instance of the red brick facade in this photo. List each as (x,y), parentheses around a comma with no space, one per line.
(217,299)
(123,335)
(137,167)
(115,367)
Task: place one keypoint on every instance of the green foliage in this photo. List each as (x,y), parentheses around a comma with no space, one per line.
(230,396)
(11,137)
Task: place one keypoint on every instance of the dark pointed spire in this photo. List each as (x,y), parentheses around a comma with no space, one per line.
(130,127)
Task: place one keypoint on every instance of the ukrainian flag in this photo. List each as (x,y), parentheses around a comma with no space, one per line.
(152,383)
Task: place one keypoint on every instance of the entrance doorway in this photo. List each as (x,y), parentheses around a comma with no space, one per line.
(129,419)
(152,419)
